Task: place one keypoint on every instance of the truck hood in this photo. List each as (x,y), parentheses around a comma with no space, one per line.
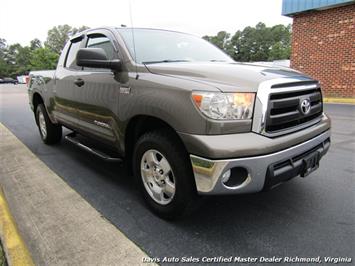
(225,76)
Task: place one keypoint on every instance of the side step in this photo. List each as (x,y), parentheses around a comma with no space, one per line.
(71,138)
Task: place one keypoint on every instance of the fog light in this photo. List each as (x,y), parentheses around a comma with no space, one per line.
(226,176)
(235,177)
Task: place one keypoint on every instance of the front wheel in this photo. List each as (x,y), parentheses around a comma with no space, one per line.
(50,133)
(164,173)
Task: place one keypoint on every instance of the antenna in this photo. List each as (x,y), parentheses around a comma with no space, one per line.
(133,40)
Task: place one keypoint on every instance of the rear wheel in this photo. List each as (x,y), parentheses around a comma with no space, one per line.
(163,170)
(50,133)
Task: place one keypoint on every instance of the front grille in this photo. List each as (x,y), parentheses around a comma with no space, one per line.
(284,109)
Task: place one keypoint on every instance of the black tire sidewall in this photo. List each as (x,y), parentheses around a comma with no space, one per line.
(40,109)
(54,131)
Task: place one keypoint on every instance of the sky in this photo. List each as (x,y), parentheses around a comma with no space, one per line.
(21,20)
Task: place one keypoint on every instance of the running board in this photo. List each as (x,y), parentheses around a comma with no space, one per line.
(71,138)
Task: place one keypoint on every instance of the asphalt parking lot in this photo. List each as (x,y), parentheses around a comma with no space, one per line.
(305,217)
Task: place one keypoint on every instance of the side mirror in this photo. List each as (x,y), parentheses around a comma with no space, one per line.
(96,58)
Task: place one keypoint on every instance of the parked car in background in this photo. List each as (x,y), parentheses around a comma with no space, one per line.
(22,79)
(8,81)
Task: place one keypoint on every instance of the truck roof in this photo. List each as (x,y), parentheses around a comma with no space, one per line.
(79,34)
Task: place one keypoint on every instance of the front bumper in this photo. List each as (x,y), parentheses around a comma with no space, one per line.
(263,171)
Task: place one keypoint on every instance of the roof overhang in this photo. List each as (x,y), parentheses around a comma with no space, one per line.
(291,8)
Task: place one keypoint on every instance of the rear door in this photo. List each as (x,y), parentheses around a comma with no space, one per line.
(65,95)
(99,95)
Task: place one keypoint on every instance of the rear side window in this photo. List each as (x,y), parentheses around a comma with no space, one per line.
(71,57)
(101,41)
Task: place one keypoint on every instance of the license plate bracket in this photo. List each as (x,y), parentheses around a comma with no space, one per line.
(310,163)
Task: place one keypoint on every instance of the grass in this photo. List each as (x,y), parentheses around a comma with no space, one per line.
(2,257)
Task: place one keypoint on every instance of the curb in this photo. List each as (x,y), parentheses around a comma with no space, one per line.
(339,100)
(46,209)
(16,251)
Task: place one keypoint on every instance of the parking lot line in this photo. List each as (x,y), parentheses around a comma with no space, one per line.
(339,100)
(13,244)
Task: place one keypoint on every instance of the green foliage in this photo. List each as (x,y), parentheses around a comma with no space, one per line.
(222,40)
(35,43)
(43,58)
(17,60)
(259,43)
(3,261)
(4,68)
(59,35)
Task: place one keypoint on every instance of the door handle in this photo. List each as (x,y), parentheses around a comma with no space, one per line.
(79,82)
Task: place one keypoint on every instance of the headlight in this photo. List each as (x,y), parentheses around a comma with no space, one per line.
(225,106)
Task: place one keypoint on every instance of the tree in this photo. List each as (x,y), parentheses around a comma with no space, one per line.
(80,29)
(278,51)
(2,46)
(253,43)
(59,35)
(43,58)
(281,49)
(221,40)
(9,54)
(22,60)
(3,64)
(16,59)
(19,60)
(35,44)
(259,43)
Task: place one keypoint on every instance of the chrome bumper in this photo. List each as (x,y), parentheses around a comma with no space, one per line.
(208,173)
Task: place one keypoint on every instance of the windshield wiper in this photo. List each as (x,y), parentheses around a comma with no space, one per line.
(165,61)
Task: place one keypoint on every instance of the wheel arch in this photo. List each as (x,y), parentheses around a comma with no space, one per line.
(36,100)
(140,124)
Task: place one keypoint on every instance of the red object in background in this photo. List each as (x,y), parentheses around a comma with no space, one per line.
(27,78)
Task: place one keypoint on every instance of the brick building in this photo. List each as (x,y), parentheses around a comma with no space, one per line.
(323,42)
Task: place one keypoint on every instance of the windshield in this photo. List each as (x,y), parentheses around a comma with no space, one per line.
(155,46)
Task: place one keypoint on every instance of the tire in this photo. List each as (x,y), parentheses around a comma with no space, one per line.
(153,147)
(50,133)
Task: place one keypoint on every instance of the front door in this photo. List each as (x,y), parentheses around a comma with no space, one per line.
(99,94)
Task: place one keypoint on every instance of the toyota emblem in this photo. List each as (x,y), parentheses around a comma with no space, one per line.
(305,106)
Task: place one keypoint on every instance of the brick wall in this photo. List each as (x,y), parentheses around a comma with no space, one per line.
(323,46)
